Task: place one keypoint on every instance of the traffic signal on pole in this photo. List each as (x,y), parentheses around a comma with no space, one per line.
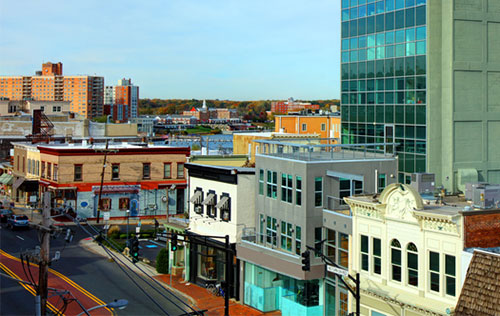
(173,242)
(135,250)
(306,261)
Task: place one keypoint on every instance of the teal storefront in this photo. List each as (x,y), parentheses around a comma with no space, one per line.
(268,291)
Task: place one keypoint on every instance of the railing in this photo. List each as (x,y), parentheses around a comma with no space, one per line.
(297,149)
(336,204)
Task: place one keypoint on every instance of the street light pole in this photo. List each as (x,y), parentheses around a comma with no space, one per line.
(128,216)
(172,187)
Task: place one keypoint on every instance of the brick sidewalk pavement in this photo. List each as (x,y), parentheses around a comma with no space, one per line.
(208,301)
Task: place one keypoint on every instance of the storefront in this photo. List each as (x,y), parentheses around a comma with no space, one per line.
(268,291)
(207,264)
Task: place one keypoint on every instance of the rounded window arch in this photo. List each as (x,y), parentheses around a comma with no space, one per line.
(396,260)
(412,264)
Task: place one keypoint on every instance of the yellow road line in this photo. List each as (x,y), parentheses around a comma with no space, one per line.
(29,288)
(65,278)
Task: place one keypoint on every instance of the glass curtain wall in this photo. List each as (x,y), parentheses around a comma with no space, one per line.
(383,75)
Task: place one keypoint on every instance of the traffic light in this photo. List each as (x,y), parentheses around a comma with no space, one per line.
(135,250)
(173,242)
(306,261)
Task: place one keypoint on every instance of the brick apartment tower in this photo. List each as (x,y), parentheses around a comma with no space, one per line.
(84,92)
(121,101)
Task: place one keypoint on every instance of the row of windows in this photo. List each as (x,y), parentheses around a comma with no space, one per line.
(401,97)
(146,171)
(211,205)
(380,5)
(400,131)
(377,8)
(371,261)
(385,22)
(49,171)
(389,51)
(387,38)
(397,67)
(400,114)
(269,229)
(387,84)
(287,187)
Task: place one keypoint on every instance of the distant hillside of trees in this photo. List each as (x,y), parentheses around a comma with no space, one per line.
(248,110)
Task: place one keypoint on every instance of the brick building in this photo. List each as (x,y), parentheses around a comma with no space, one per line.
(121,101)
(136,178)
(283,107)
(85,93)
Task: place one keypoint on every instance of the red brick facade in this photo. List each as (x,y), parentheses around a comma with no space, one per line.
(482,230)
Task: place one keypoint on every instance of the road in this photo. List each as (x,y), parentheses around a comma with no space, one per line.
(81,269)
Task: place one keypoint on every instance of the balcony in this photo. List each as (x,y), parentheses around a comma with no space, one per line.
(320,149)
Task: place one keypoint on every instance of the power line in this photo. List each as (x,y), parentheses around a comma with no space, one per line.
(140,277)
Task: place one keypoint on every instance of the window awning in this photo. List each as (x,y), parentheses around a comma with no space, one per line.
(223,203)
(8,179)
(18,183)
(196,198)
(210,200)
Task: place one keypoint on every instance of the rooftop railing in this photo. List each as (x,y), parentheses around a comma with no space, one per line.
(323,149)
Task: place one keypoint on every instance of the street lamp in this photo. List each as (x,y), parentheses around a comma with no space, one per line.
(120,304)
(172,187)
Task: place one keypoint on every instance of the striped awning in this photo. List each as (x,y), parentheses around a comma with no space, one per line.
(6,179)
(210,200)
(197,197)
(223,203)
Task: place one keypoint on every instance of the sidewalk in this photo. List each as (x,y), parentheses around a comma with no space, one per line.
(199,298)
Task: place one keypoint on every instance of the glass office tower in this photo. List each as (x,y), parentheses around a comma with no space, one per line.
(384,79)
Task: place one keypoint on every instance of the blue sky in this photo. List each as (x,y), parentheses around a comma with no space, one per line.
(213,49)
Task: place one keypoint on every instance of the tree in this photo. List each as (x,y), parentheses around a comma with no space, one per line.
(162,261)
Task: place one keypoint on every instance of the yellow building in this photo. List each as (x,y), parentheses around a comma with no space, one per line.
(244,143)
(326,126)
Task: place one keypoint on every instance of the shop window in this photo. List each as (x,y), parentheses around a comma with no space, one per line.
(105,204)
(124,204)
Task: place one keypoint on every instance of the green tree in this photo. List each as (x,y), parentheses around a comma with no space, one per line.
(162,261)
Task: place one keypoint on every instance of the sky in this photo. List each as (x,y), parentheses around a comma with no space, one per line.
(182,49)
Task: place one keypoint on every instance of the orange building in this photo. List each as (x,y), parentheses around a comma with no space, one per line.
(326,126)
(85,93)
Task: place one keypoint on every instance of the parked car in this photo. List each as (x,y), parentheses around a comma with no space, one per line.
(5,214)
(18,221)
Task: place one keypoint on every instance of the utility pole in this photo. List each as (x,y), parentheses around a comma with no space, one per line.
(43,270)
(102,181)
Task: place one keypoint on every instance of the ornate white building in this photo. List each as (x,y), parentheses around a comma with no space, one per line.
(408,252)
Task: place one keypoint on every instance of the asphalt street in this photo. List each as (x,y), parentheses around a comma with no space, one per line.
(94,273)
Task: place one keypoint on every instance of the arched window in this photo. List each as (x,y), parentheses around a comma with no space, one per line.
(412,264)
(396,260)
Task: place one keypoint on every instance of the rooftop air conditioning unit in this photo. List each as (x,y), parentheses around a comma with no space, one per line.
(486,196)
(470,187)
(423,182)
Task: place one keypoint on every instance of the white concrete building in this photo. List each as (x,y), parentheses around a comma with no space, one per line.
(221,202)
